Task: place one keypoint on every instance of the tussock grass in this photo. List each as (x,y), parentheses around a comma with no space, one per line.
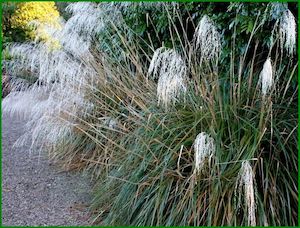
(132,120)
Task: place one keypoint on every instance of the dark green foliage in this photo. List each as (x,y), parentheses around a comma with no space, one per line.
(158,186)
(146,21)
(9,34)
(61,6)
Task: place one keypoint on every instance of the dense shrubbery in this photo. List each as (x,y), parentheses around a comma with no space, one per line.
(20,21)
(41,13)
(152,24)
(8,9)
(184,116)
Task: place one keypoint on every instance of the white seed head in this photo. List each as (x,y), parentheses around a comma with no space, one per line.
(266,77)
(169,89)
(246,183)
(287,32)
(207,39)
(88,18)
(158,59)
(204,148)
(170,69)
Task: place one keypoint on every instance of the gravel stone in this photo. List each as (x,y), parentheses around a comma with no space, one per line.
(35,193)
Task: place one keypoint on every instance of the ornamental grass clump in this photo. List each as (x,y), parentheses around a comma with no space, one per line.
(170,142)
(156,182)
(63,91)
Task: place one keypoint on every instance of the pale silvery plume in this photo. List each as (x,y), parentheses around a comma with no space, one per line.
(171,71)
(169,89)
(266,77)
(204,148)
(287,32)
(91,18)
(207,39)
(56,99)
(157,60)
(246,182)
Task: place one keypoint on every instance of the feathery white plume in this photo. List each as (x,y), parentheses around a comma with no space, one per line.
(287,32)
(90,18)
(55,96)
(204,148)
(169,88)
(266,77)
(158,59)
(246,183)
(207,39)
(171,71)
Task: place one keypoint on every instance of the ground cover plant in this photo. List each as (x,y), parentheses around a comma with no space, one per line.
(182,122)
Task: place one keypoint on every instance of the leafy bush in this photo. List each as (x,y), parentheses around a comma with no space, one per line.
(152,21)
(8,9)
(30,16)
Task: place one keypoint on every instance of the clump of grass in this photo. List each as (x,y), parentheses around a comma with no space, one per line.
(73,90)
(176,140)
(156,184)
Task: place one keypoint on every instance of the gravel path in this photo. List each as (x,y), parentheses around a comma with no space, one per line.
(35,193)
